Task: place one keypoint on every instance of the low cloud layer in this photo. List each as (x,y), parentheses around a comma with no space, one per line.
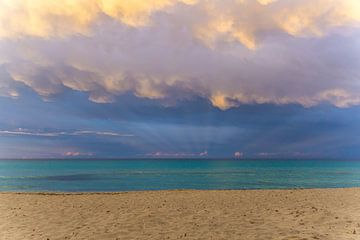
(231,52)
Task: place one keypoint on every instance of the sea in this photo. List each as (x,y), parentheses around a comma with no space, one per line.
(109,175)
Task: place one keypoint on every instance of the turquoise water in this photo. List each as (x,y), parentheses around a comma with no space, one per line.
(127,175)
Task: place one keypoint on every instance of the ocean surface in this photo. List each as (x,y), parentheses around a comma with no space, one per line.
(150,174)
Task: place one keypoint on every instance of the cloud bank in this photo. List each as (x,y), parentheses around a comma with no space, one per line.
(230,51)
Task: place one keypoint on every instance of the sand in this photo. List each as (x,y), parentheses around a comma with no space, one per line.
(183,214)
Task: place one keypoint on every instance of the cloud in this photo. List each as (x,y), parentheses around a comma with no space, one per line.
(77,154)
(203,154)
(98,133)
(161,154)
(238,154)
(230,52)
(27,132)
(236,19)
(53,18)
(21,132)
(266,2)
(7,88)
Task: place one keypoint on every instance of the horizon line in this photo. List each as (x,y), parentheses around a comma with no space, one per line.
(183,158)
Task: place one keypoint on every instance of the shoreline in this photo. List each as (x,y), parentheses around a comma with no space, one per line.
(167,190)
(299,214)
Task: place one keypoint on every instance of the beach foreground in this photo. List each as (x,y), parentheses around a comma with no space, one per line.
(183,214)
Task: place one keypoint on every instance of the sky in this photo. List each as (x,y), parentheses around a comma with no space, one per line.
(180,78)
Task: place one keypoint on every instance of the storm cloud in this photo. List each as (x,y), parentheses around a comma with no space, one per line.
(230,52)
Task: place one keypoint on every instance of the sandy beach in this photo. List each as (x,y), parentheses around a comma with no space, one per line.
(183,214)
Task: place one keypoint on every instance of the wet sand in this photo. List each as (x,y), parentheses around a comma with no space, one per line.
(183,214)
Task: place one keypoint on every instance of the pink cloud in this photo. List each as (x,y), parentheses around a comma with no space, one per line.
(76,154)
(238,154)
